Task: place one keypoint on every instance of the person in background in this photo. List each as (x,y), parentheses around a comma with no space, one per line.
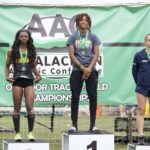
(141,75)
(122,110)
(22,56)
(126,109)
(83,48)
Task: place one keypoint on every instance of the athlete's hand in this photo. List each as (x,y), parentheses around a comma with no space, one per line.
(84,77)
(10,79)
(37,79)
(87,72)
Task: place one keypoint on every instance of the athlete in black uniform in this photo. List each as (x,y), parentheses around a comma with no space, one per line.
(22,56)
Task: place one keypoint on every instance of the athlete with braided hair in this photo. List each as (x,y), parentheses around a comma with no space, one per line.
(22,56)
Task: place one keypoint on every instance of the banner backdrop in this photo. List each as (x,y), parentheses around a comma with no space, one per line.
(121,30)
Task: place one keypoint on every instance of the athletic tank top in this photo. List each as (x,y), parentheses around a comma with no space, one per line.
(22,70)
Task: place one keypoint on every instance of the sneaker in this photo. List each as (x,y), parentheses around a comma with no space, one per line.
(94,130)
(141,140)
(31,136)
(18,137)
(72,129)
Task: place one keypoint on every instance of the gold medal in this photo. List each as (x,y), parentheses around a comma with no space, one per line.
(83,52)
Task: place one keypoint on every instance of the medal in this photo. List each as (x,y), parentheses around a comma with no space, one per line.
(83,52)
(23,59)
(148,54)
(83,40)
(23,68)
(83,43)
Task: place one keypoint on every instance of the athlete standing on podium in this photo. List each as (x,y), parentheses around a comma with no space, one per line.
(141,75)
(84,52)
(22,56)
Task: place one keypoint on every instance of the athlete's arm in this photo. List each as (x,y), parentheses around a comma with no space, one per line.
(37,74)
(8,63)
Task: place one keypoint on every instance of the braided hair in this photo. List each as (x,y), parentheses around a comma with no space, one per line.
(30,47)
(80,17)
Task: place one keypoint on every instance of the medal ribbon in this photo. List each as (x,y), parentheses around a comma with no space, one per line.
(25,57)
(148,54)
(83,40)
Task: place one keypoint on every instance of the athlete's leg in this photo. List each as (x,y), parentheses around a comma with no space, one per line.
(141,111)
(29,98)
(17,98)
(91,87)
(76,87)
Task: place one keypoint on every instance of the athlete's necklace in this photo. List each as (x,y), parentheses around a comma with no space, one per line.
(21,55)
(83,40)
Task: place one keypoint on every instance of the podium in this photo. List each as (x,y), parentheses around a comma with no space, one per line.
(10,144)
(84,140)
(133,146)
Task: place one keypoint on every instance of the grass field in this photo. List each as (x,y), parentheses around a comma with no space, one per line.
(61,123)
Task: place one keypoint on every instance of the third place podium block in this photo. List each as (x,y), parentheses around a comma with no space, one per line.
(83,140)
(133,146)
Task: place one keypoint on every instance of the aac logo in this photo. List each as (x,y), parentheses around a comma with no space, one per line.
(51,27)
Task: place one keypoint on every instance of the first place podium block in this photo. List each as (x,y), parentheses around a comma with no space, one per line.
(83,140)
(9,144)
(133,146)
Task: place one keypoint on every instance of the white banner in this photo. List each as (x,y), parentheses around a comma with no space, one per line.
(74,2)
